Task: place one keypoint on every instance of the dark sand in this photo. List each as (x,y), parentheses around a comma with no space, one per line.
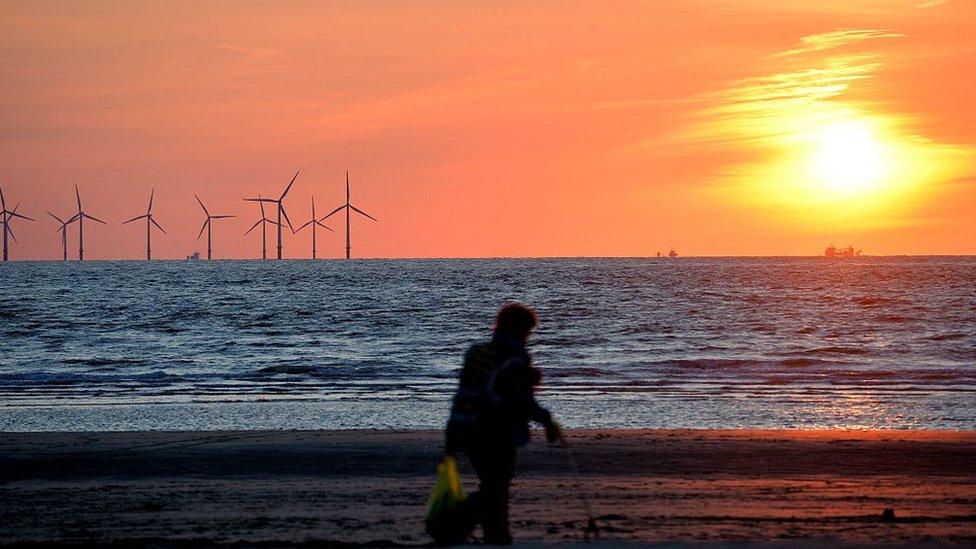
(324,488)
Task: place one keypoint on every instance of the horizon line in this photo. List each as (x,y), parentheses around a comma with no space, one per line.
(498,257)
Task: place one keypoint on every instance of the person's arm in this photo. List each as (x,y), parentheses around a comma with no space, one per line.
(518,381)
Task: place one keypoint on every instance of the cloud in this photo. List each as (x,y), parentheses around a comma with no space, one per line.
(776,123)
(836,39)
(767,107)
(764,107)
(931,3)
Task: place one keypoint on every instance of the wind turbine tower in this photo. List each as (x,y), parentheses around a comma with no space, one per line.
(63,229)
(264,232)
(6,215)
(80,217)
(349,209)
(208,225)
(149,223)
(281,209)
(313,222)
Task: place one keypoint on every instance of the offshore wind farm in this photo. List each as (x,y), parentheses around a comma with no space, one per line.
(64,224)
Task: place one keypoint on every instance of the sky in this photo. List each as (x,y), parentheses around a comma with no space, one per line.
(486,129)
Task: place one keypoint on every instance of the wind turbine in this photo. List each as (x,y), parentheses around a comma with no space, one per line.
(313,222)
(149,223)
(7,215)
(81,216)
(63,229)
(208,224)
(349,209)
(264,233)
(281,209)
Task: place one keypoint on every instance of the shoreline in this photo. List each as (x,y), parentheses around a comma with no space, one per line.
(273,488)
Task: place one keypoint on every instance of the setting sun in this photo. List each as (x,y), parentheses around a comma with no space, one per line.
(849,159)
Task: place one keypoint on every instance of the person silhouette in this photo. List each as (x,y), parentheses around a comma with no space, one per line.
(490,415)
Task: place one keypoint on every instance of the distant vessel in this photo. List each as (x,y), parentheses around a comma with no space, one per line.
(849,251)
(193,257)
(672,253)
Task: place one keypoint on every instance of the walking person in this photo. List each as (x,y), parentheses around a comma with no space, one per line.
(491,411)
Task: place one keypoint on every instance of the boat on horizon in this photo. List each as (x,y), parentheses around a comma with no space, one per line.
(833,251)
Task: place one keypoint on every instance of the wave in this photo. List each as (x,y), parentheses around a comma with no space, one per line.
(156,377)
(718,364)
(832,350)
(290,369)
(947,337)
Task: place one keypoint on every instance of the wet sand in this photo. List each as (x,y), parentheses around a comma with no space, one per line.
(312,488)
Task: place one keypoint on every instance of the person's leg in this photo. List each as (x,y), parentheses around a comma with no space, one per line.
(495,466)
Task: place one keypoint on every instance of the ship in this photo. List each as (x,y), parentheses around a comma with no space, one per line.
(849,251)
(193,257)
(672,253)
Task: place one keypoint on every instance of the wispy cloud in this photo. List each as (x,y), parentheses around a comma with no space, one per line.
(768,107)
(836,39)
(765,107)
(931,3)
(778,121)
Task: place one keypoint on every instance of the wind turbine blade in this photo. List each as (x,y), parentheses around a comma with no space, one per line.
(285,214)
(15,214)
(298,230)
(72,219)
(261,203)
(288,188)
(158,226)
(362,212)
(93,218)
(253,227)
(152,193)
(61,221)
(3,203)
(324,226)
(347,186)
(260,200)
(333,212)
(135,219)
(202,206)
(202,228)
(78,196)
(6,227)
(221,216)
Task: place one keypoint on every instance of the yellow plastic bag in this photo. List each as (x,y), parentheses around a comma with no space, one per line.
(450,517)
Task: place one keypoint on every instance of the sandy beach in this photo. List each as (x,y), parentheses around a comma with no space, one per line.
(291,488)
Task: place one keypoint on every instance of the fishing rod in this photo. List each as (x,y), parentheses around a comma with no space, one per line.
(592,528)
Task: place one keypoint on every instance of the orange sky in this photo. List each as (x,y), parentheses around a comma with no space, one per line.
(497,129)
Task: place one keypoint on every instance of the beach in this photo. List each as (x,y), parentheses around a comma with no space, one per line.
(298,488)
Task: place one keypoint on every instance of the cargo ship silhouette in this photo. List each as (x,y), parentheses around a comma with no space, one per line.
(849,251)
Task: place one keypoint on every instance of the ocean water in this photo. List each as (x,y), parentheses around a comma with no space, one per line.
(701,343)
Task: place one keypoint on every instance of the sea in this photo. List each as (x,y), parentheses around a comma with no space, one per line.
(858,343)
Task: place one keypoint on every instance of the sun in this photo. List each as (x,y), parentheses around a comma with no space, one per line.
(848,158)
